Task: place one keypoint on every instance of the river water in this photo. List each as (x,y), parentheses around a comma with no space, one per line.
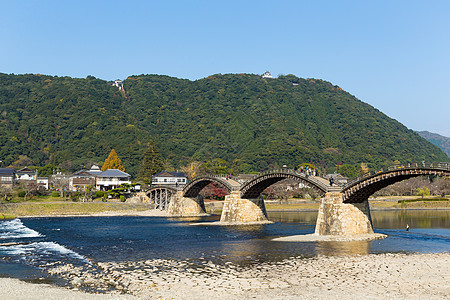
(29,245)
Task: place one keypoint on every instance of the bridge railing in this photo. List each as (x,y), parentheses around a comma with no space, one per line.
(408,166)
(292,172)
(178,187)
(221,176)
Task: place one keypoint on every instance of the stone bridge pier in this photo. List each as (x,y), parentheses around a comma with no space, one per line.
(238,210)
(338,218)
(186,206)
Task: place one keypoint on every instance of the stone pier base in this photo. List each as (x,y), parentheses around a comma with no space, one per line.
(237,210)
(338,218)
(186,207)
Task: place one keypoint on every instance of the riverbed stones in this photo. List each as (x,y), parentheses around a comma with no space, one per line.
(374,276)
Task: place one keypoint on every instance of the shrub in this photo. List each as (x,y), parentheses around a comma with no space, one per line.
(21,194)
(75,196)
(122,198)
(55,194)
(99,194)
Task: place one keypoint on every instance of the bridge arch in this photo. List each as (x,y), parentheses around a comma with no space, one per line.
(194,187)
(256,185)
(359,190)
(161,196)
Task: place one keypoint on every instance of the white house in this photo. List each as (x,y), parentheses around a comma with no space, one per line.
(169,178)
(26,174)
(111,179)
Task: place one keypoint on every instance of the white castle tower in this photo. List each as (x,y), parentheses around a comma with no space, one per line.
(118,83)
(266,75)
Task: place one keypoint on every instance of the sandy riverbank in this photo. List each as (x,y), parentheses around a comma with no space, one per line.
(374,276)
(330,238)
(14,289)
(141,213)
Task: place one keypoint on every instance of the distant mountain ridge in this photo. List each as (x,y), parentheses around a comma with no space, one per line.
(441,141)
(253,123)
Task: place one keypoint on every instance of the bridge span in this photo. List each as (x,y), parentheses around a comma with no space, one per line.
(343,209)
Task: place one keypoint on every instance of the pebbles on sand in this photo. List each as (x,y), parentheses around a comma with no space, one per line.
(375,276)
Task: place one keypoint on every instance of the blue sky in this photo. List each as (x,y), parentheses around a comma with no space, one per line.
(394,55)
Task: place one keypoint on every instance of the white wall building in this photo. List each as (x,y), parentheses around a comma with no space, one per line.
(169,178)
(111,179)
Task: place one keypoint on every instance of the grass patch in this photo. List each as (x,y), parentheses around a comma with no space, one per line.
(7,217)
(422,200)
(67,208)
(294,206)
(35,199)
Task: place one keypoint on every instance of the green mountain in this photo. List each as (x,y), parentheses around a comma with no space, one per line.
(441,141)
(252,122)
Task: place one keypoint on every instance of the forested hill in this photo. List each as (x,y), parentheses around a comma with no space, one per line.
(251,122)
(441,141)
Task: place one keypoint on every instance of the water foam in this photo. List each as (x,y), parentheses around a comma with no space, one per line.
(41,248)
(14,229)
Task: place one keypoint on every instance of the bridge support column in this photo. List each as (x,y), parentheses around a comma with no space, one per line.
(186,206)
(338,218)
(238,210)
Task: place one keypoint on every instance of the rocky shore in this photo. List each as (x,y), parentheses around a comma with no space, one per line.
(374,276)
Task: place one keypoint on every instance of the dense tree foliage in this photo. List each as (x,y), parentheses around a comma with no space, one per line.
(151,164)
(347,170)
(252,123)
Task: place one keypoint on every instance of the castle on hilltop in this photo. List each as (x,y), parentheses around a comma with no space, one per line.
(266,75)
(118,83)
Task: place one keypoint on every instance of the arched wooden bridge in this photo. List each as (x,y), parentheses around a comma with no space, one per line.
(355,191)
(360,189)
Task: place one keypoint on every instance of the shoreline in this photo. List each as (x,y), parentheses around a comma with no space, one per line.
(141,213)
(374,276)
(159,213)
(330,238)
(97,209)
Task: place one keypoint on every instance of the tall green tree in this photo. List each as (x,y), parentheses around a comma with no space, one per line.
(113,162)
(151,164)
(348,170)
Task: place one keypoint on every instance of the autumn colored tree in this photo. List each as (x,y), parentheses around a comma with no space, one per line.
(151,164)
(214,191)
(192,170)
(113,162)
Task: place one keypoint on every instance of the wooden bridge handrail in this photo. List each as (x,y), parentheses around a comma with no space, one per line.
(444,166)
(309,178)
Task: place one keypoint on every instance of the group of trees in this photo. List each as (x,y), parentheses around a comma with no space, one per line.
(253,124)
(420,186)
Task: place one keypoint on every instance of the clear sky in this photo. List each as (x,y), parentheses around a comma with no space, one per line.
(394,55)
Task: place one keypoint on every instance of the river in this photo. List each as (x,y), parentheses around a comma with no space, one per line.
(30,245)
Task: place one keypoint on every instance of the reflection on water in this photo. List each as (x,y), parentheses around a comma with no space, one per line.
(307,217)
(386,219)
(429,232)
(415,219)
